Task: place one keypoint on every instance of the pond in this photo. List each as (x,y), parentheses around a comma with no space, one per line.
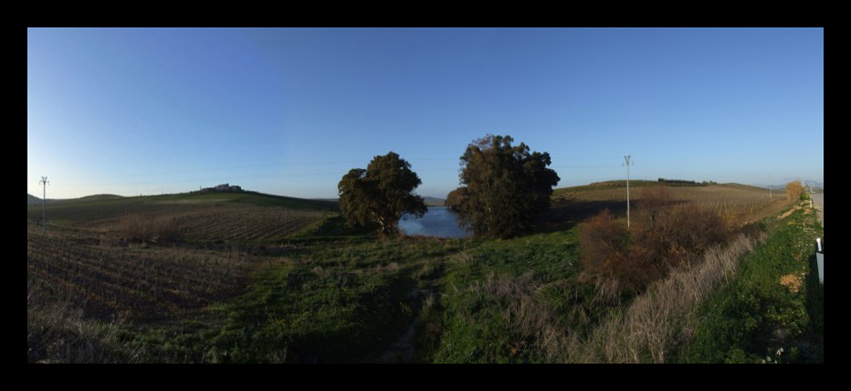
(438,221)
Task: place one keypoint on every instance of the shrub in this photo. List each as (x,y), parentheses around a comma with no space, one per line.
(680,234)
(794,190)
(608,257)
(602,238)
(663,237)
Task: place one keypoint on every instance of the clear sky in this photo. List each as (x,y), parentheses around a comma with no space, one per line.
(290,111)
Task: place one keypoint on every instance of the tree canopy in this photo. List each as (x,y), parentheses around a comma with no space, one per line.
(381,193)
(504,187)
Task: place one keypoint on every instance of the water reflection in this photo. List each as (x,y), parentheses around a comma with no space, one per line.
(438,221)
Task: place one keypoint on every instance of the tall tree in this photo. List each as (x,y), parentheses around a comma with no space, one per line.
(381,194)
(504,187)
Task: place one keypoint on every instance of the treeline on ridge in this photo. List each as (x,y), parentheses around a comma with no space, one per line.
(683,182)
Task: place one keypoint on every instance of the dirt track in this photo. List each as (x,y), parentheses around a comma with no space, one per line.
(818,202)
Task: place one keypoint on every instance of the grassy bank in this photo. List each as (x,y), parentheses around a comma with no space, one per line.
(773,310)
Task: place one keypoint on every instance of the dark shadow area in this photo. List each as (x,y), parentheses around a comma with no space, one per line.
(813,350)
(565,213)
(378,320)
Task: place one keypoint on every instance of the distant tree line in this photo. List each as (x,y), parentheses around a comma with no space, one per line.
(683,182)
(226,187)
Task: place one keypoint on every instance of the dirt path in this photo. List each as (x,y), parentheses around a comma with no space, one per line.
(818,202)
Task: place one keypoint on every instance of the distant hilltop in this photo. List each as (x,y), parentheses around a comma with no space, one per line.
(33,200)
(222,188)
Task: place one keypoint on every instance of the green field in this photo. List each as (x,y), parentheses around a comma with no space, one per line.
(247,277)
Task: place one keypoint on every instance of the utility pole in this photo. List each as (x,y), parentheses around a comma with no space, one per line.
(43,182)
(626,160)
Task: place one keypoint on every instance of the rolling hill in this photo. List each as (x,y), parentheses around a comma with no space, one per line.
(33,200)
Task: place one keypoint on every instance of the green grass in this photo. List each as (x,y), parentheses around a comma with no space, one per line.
(494,291)
(300,313)
(754,316)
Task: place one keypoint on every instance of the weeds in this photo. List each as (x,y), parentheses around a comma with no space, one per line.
(755,313)
(658,320)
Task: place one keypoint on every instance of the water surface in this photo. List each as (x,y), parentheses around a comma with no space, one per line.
(438,221)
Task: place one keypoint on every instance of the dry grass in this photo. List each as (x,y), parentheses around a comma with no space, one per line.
(159,229)
(792,282)
(658,320)
(58,333)
(737,204)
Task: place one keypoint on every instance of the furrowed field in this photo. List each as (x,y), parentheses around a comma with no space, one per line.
(220,278)
(734,202)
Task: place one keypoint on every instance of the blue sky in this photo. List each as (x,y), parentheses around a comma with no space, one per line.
(290,111)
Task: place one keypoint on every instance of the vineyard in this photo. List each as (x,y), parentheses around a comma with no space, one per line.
(737,203)
(105,279)
(146,260)
(105,256)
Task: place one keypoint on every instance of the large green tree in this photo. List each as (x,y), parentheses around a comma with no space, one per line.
(381,194)
(504,187)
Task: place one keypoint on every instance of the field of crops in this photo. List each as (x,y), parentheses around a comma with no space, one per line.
(221,218)
(107,279)
(735,202)
(244,223)
(88,255)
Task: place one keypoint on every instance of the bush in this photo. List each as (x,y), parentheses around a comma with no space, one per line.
(794,190)
(609,258)
(662,237)
(680,234)
(603,240)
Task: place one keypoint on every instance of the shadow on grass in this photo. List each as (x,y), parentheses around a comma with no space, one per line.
(314,315)
(564,214)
